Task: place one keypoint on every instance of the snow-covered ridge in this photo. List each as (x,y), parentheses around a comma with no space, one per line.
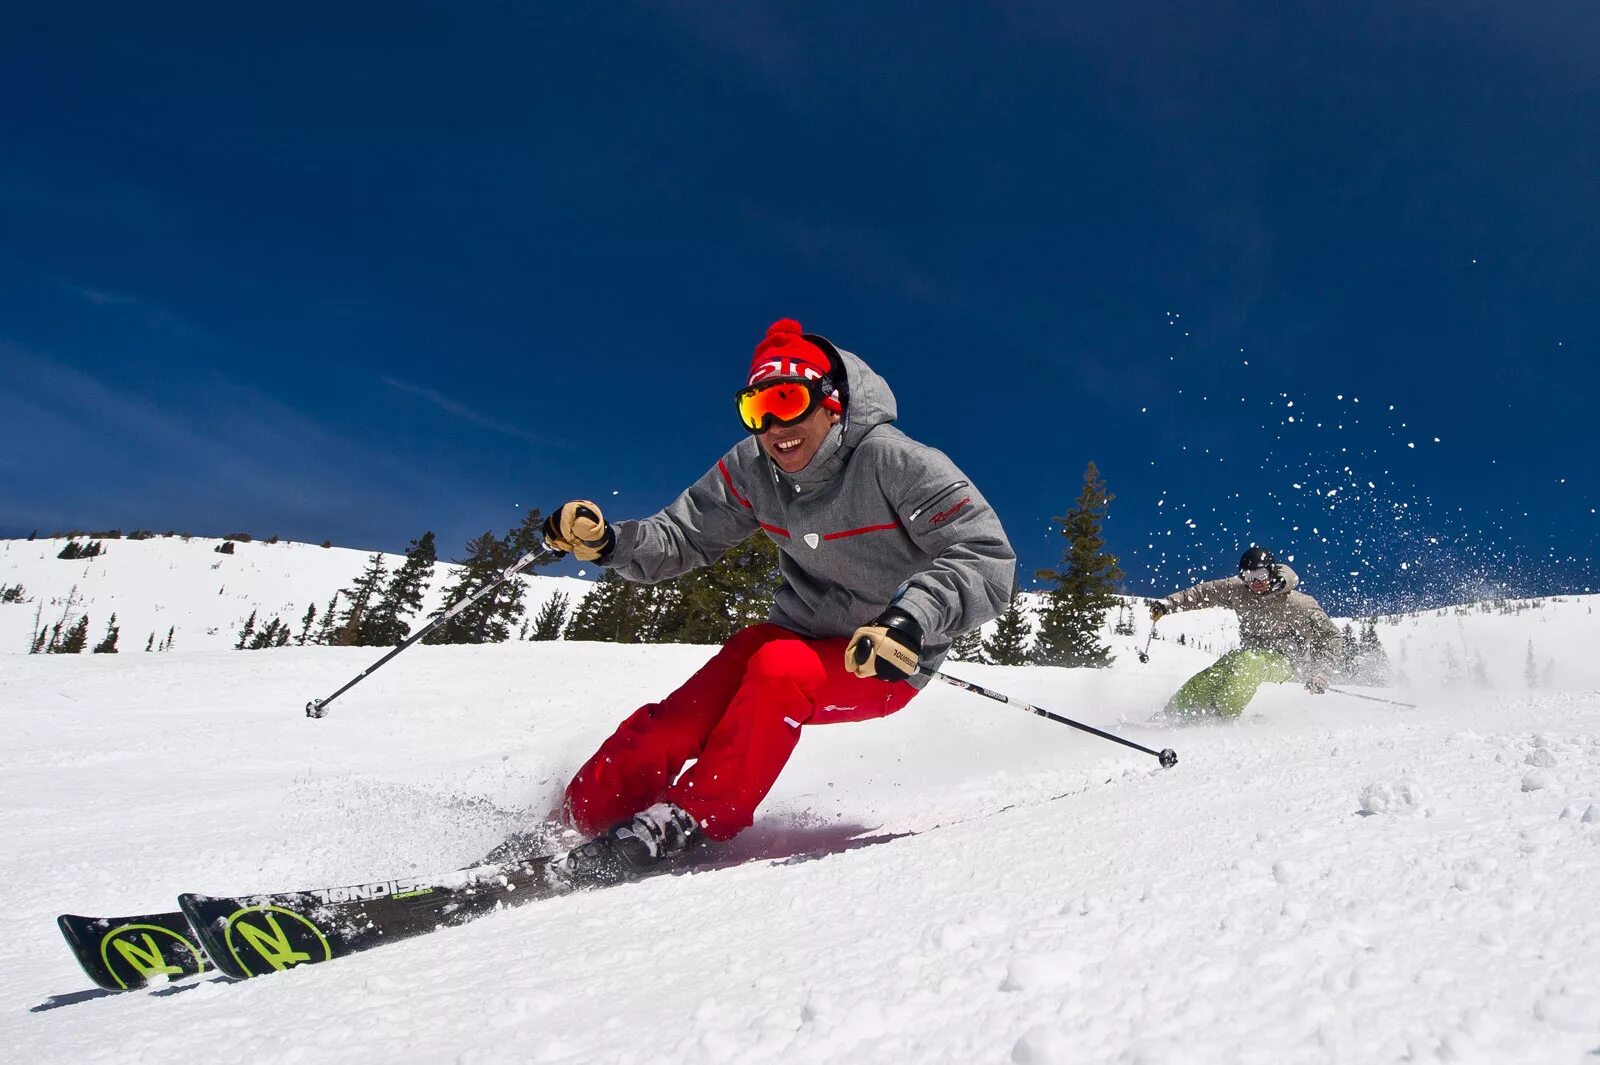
(183,584)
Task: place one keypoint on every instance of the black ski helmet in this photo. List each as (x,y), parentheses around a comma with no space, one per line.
(1256,558)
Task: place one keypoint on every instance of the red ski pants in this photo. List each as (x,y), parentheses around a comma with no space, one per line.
(739,716)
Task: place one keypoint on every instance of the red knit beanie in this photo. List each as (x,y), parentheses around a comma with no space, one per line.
(785,352)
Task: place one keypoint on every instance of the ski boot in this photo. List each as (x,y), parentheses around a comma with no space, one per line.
(644,844)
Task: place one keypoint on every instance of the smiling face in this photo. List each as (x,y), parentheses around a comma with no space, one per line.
(793,446)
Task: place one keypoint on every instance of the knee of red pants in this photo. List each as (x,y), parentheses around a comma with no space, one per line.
(792,666)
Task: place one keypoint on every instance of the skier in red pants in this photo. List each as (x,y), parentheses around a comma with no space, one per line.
(887,553)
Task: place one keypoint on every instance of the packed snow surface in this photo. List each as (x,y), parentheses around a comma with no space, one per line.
(1328,880)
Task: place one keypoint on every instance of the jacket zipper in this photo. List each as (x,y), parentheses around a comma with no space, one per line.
(931,500)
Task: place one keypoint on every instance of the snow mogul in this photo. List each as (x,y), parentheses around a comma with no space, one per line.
(1283,633)
(887,552)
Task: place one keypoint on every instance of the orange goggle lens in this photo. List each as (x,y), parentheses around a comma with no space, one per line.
(783,402)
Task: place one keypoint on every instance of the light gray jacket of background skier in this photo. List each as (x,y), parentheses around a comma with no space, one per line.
(1285,620)
(874,518)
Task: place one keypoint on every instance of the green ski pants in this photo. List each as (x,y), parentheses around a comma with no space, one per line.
(1228,684)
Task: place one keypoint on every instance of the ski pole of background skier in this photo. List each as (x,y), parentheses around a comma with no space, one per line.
(1373,698)
(1144,656)
(1167,756)
(319,707)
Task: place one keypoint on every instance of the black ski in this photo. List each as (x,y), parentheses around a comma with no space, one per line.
(253,935)
(124,953)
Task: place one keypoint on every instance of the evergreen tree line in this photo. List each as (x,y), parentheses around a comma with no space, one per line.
(380,608)
(1365,661)
(77,550)
(707,605)
(69,635)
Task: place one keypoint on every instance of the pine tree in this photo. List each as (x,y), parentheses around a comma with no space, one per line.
(40,642)
(324,634)
(616,610)
(76,638)
(108,644)
(1008,646)
(274,634)
(968,647)
(305,624)
(1530,669)
(710,604)
(491,619)
(386,624)
(247,632)
(150,644)
(360,598)
(172,631)
(527,536)
(551,617)
(1074,611)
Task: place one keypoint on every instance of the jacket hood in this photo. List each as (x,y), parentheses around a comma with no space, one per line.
(868,403)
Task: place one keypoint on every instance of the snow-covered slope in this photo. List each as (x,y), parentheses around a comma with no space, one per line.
(184,584)
(1329,880)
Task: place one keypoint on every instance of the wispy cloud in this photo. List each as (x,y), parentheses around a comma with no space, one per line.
(150,314)
(461,410)
(214,453)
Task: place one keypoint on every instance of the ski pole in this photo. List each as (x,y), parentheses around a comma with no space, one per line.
(1144,656)
(319,707)
(1374,698)
(1167,756)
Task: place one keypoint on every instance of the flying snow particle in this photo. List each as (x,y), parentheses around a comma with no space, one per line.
(1413,444)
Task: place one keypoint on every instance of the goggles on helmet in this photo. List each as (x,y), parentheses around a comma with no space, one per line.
(784,402)
(1260,573)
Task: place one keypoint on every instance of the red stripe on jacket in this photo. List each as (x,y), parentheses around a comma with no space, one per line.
(863,529)
(726,476)
(743,502)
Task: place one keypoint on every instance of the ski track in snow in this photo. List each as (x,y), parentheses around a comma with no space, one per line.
(1328,880)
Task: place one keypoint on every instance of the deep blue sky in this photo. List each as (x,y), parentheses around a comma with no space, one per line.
(353,272)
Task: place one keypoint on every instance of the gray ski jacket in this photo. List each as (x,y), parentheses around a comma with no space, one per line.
(1285,620)
(874,518)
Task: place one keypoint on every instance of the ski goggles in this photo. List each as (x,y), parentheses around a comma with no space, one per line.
(778,403)
(1260,573)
